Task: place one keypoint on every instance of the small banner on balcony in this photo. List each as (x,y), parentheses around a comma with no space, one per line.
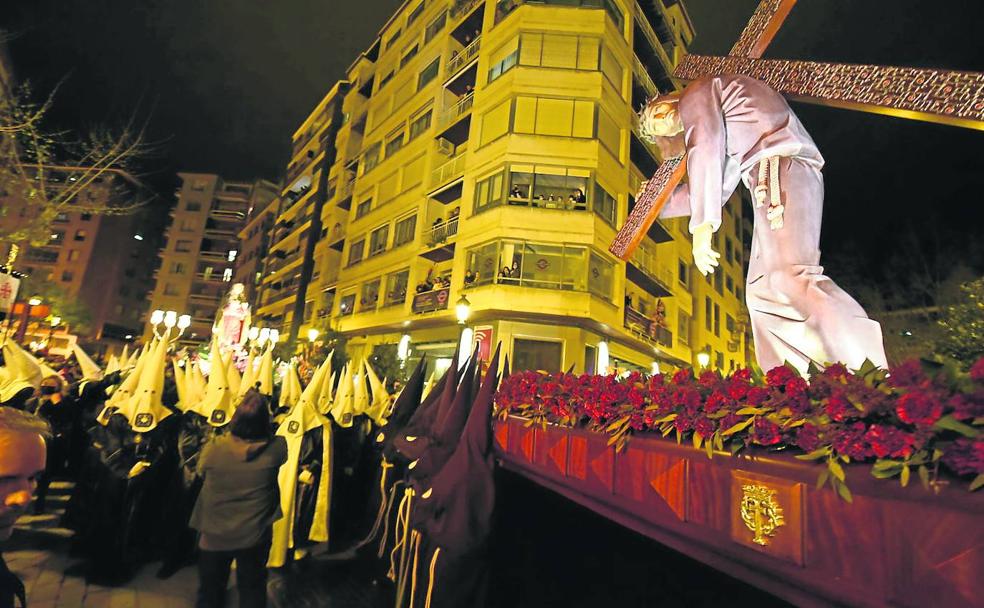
(431,300)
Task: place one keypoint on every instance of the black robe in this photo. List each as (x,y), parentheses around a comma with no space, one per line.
(454,515)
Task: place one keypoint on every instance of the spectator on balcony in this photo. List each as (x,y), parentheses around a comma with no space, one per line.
(454,214)
(577,197)
(516,192)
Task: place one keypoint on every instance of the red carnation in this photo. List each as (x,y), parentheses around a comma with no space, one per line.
(766,432)
(709,378)
(889,441)
(742,374)
(757,395)
(807,437)
(779,376)
(850,441)
(715,402)
(682,376)
(967,407)
(835,371)
(704,427)
(796,386)
(908,374)
(977,371)
(965,456)
(918,407)
(839,408)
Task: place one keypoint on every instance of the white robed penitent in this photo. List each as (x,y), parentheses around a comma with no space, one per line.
(303,417)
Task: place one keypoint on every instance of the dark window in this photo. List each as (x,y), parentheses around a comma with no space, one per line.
(537,355)
(85,217)
(410,54)
(66,276)
(683,273)
(193,206)
(405,231)
(182,246)
(415,13)
(378,240)
(420,124)
(428,74)
(80,235)
(356,251)
(346,304)
(363,208)
(435,26)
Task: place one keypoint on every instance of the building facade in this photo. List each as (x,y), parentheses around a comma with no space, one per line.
(99,259)
(254,245)
(201,250)
(487,150)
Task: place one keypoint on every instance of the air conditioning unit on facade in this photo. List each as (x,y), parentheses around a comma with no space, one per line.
(445,147)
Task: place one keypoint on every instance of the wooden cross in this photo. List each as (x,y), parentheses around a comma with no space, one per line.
(941,96)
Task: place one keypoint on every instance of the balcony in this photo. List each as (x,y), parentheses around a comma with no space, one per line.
(644,270)
(430,301)
(459,60)
(220,256)
(441,232)
(448,172)
(454,124)
(652,330)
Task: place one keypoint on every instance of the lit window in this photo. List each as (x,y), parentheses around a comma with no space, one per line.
(232,255)
(80,235)
(227,275)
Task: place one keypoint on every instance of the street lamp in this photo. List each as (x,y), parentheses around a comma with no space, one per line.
(169,319)
(35,301)
(462,310)
(313,334)
(703,358)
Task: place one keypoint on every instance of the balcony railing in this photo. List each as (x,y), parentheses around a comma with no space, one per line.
(645,260)
(428,301)
(461,59)
(448,171)
(461,7)
(460,108)
(640,73)
(440,233)
(653,330)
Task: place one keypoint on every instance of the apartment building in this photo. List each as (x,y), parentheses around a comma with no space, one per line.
(201,250)
(99,259)
(254,246)
(486,154)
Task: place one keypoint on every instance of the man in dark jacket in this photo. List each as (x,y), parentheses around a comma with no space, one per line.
(22,461)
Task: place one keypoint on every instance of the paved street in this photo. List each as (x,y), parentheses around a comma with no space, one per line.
(553,553)
(38,553)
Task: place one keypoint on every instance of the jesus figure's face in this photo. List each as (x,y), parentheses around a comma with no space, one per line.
(660,120)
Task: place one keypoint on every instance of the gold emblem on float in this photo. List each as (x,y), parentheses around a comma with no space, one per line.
(760,512)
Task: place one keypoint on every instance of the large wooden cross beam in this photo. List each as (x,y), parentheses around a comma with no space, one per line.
(941,96)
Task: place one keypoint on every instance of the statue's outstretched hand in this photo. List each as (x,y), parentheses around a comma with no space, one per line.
(705,258)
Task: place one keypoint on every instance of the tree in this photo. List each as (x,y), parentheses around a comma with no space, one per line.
(73,312)
(47,171)
(387,365)
(962,326)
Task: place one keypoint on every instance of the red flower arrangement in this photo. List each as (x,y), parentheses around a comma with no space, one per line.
(918,419)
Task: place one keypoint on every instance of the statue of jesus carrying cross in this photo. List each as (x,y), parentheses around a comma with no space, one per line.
(736,126)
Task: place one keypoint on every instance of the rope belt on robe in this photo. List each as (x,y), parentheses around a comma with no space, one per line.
(768,187)
(386,520)
(385,467)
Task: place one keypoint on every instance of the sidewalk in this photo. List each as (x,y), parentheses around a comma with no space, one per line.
(38,554)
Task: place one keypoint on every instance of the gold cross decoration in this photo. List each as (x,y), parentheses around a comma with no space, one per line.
(941,96)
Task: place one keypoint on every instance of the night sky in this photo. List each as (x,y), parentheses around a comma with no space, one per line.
(225,83)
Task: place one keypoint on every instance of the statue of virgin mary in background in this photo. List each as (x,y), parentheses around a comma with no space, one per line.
(232,321)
